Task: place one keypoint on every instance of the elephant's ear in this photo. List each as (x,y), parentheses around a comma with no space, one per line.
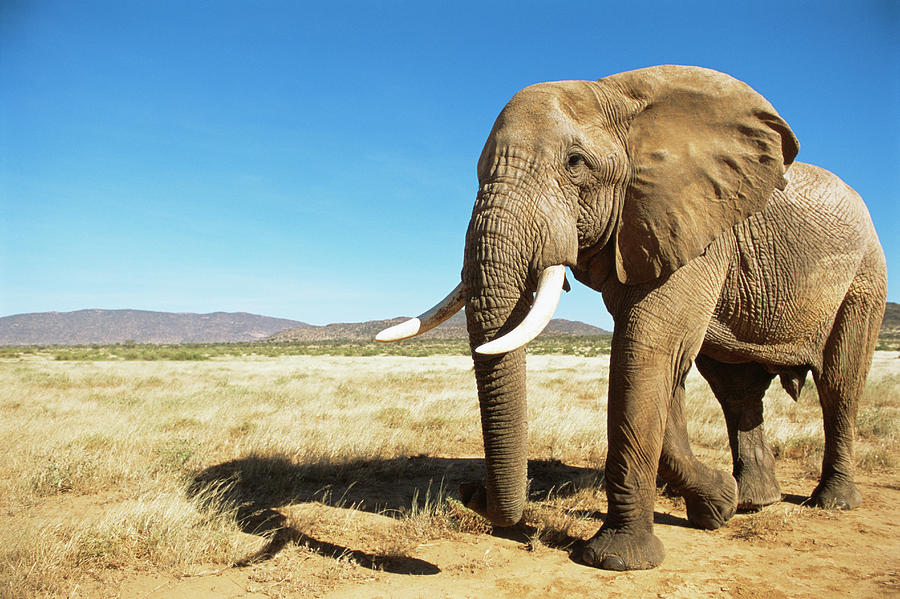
(706,152)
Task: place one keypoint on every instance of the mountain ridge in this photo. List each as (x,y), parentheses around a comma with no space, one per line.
(99,326)
(453,328)
(891,322)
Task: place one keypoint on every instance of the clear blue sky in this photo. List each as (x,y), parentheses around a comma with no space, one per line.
(316,160)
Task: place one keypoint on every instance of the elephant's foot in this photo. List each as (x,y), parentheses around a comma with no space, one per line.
(757,488)
(712,510)
(616,549)
(836,493)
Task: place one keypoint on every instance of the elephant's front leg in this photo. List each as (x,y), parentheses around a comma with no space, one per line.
(659,330)
(648,433)
(635,431)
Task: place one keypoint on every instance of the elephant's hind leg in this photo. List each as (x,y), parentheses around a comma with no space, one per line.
(710,496)
(740,389)
(840,382)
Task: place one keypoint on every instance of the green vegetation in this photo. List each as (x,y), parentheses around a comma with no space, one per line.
(888,341)
(545,345)
(573,346)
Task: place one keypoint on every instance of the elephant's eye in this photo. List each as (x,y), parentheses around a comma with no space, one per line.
(575,159)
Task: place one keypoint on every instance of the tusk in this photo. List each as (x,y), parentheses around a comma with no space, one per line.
(546,298)
(446,308)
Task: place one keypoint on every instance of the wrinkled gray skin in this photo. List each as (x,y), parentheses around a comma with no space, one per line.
(670,190)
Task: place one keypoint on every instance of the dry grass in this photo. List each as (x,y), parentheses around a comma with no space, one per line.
(112,467)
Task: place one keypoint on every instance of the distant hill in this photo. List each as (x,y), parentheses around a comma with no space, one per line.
(454,328)
(141,326)
(117,326)
(891,322)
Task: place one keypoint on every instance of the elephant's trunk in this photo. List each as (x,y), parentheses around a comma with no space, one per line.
(496,280)
(501,393)
(521,225)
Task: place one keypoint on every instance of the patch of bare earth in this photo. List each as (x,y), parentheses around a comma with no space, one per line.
(786,550)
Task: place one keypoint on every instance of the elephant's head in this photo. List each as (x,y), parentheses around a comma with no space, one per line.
(644,169)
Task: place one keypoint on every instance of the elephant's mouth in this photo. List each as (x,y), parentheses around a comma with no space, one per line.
(546,298)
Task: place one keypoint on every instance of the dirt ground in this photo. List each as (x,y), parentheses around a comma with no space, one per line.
(784,551)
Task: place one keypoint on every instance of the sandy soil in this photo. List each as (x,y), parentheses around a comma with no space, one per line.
(785,551)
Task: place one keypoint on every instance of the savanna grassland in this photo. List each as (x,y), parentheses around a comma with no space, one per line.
(326,470)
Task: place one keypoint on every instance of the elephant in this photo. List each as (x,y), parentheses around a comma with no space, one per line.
(673,191)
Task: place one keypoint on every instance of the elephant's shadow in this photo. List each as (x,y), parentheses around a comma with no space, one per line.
(254,487)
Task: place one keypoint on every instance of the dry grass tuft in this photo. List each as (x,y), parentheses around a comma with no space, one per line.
(765,525)
(770,523)
(161,530)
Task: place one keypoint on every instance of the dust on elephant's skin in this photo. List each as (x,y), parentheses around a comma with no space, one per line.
(672,191)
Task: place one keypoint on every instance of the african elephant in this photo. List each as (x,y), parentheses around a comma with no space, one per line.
(668,190)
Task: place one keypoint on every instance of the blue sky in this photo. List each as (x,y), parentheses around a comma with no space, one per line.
(316,161)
